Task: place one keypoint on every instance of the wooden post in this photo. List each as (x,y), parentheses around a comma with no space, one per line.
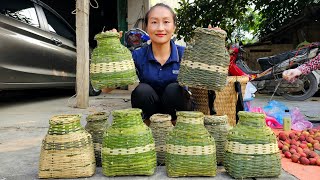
(82,30)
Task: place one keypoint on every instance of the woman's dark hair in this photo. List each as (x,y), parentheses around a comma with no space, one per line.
(174,16)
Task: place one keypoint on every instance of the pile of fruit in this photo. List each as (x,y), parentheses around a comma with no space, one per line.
(302,147)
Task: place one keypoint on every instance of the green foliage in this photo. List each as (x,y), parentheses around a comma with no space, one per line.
(277,13)
(228,15)
(257,17)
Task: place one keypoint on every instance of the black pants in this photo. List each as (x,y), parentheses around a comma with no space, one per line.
(174,98)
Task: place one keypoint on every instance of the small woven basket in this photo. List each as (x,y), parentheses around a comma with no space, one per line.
(252,149)
(111,65)
(218,127)
(190,149)
(226,99)
(67,149)
(128,147)
(97,124)
(160,126)
(205,61)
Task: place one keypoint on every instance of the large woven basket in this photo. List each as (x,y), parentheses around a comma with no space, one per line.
(67,149)
(252,149)
(111,65)
(160,126)
(191,150)
(97,124)
(205,61)
(226,99)
(128,147)
(218,127)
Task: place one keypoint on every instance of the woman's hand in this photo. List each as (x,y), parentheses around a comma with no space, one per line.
(115,30)
(216,28)
(291,74)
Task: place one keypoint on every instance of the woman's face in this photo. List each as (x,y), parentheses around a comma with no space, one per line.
(160,25)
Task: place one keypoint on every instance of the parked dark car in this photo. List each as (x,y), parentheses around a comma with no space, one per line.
(37,47)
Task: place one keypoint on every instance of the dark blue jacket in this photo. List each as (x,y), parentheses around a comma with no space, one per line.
(150,71)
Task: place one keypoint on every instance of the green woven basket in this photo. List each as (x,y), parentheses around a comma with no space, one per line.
(111,65)
(252,149)
(205,61)
(190,149)
(97,124)
(67,149)
(128,147)
(160,126)
(218,127)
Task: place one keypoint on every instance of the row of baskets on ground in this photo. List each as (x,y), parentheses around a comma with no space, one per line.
(128,147)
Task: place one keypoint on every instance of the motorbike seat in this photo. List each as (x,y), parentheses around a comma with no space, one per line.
(267,62)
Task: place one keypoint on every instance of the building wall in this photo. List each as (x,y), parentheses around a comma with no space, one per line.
(136,9)
(172,3)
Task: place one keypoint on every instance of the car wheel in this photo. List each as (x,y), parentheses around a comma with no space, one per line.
(93,91)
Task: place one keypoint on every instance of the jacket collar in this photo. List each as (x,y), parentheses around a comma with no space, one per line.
(174,56)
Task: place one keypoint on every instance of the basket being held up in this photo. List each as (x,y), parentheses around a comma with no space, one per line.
(205,61)
(112,65)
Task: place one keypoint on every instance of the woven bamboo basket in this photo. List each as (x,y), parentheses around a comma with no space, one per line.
(128,147)
(205,60)
(218,127)
(200,99)
(67,149)
(111,65)
(160,126)
(226,99)
(97,124)
(252,149)
(190,149)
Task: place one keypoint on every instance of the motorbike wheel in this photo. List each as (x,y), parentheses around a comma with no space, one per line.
(310,88)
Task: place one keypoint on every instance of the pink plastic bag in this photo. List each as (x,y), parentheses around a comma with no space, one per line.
(298,120)
(270,121)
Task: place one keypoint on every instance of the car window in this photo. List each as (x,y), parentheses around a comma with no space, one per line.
(21,10)
(58,26)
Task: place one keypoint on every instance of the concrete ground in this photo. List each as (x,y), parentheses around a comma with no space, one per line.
(24,123)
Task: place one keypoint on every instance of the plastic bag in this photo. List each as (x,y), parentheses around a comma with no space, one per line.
(270,121)
(249,93)
(275,109)
(298,121)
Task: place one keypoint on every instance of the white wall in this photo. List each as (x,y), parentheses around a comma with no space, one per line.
(172,3)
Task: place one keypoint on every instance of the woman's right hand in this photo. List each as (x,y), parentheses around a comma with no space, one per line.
(291,74)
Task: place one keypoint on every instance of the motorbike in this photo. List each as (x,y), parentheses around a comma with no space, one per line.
(270,80)
(136,38)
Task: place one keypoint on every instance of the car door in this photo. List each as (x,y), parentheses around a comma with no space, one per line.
(62,38)
(24,50)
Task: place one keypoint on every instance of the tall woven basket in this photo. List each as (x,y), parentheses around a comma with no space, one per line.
(226,99)
(205,61)
(200,100)
(218,127)
(128,147)
(160,125)
(111,64)
(67,149)
(252,149)
(190,148)
(97,124)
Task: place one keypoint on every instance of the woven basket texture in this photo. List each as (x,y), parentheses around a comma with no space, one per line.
(200,99)
(128,147)
(160,126)
(205,61)
(111,64)
(218,127)
(226,99)
(67,149)
(190,149)
(252,149)
(97,124)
